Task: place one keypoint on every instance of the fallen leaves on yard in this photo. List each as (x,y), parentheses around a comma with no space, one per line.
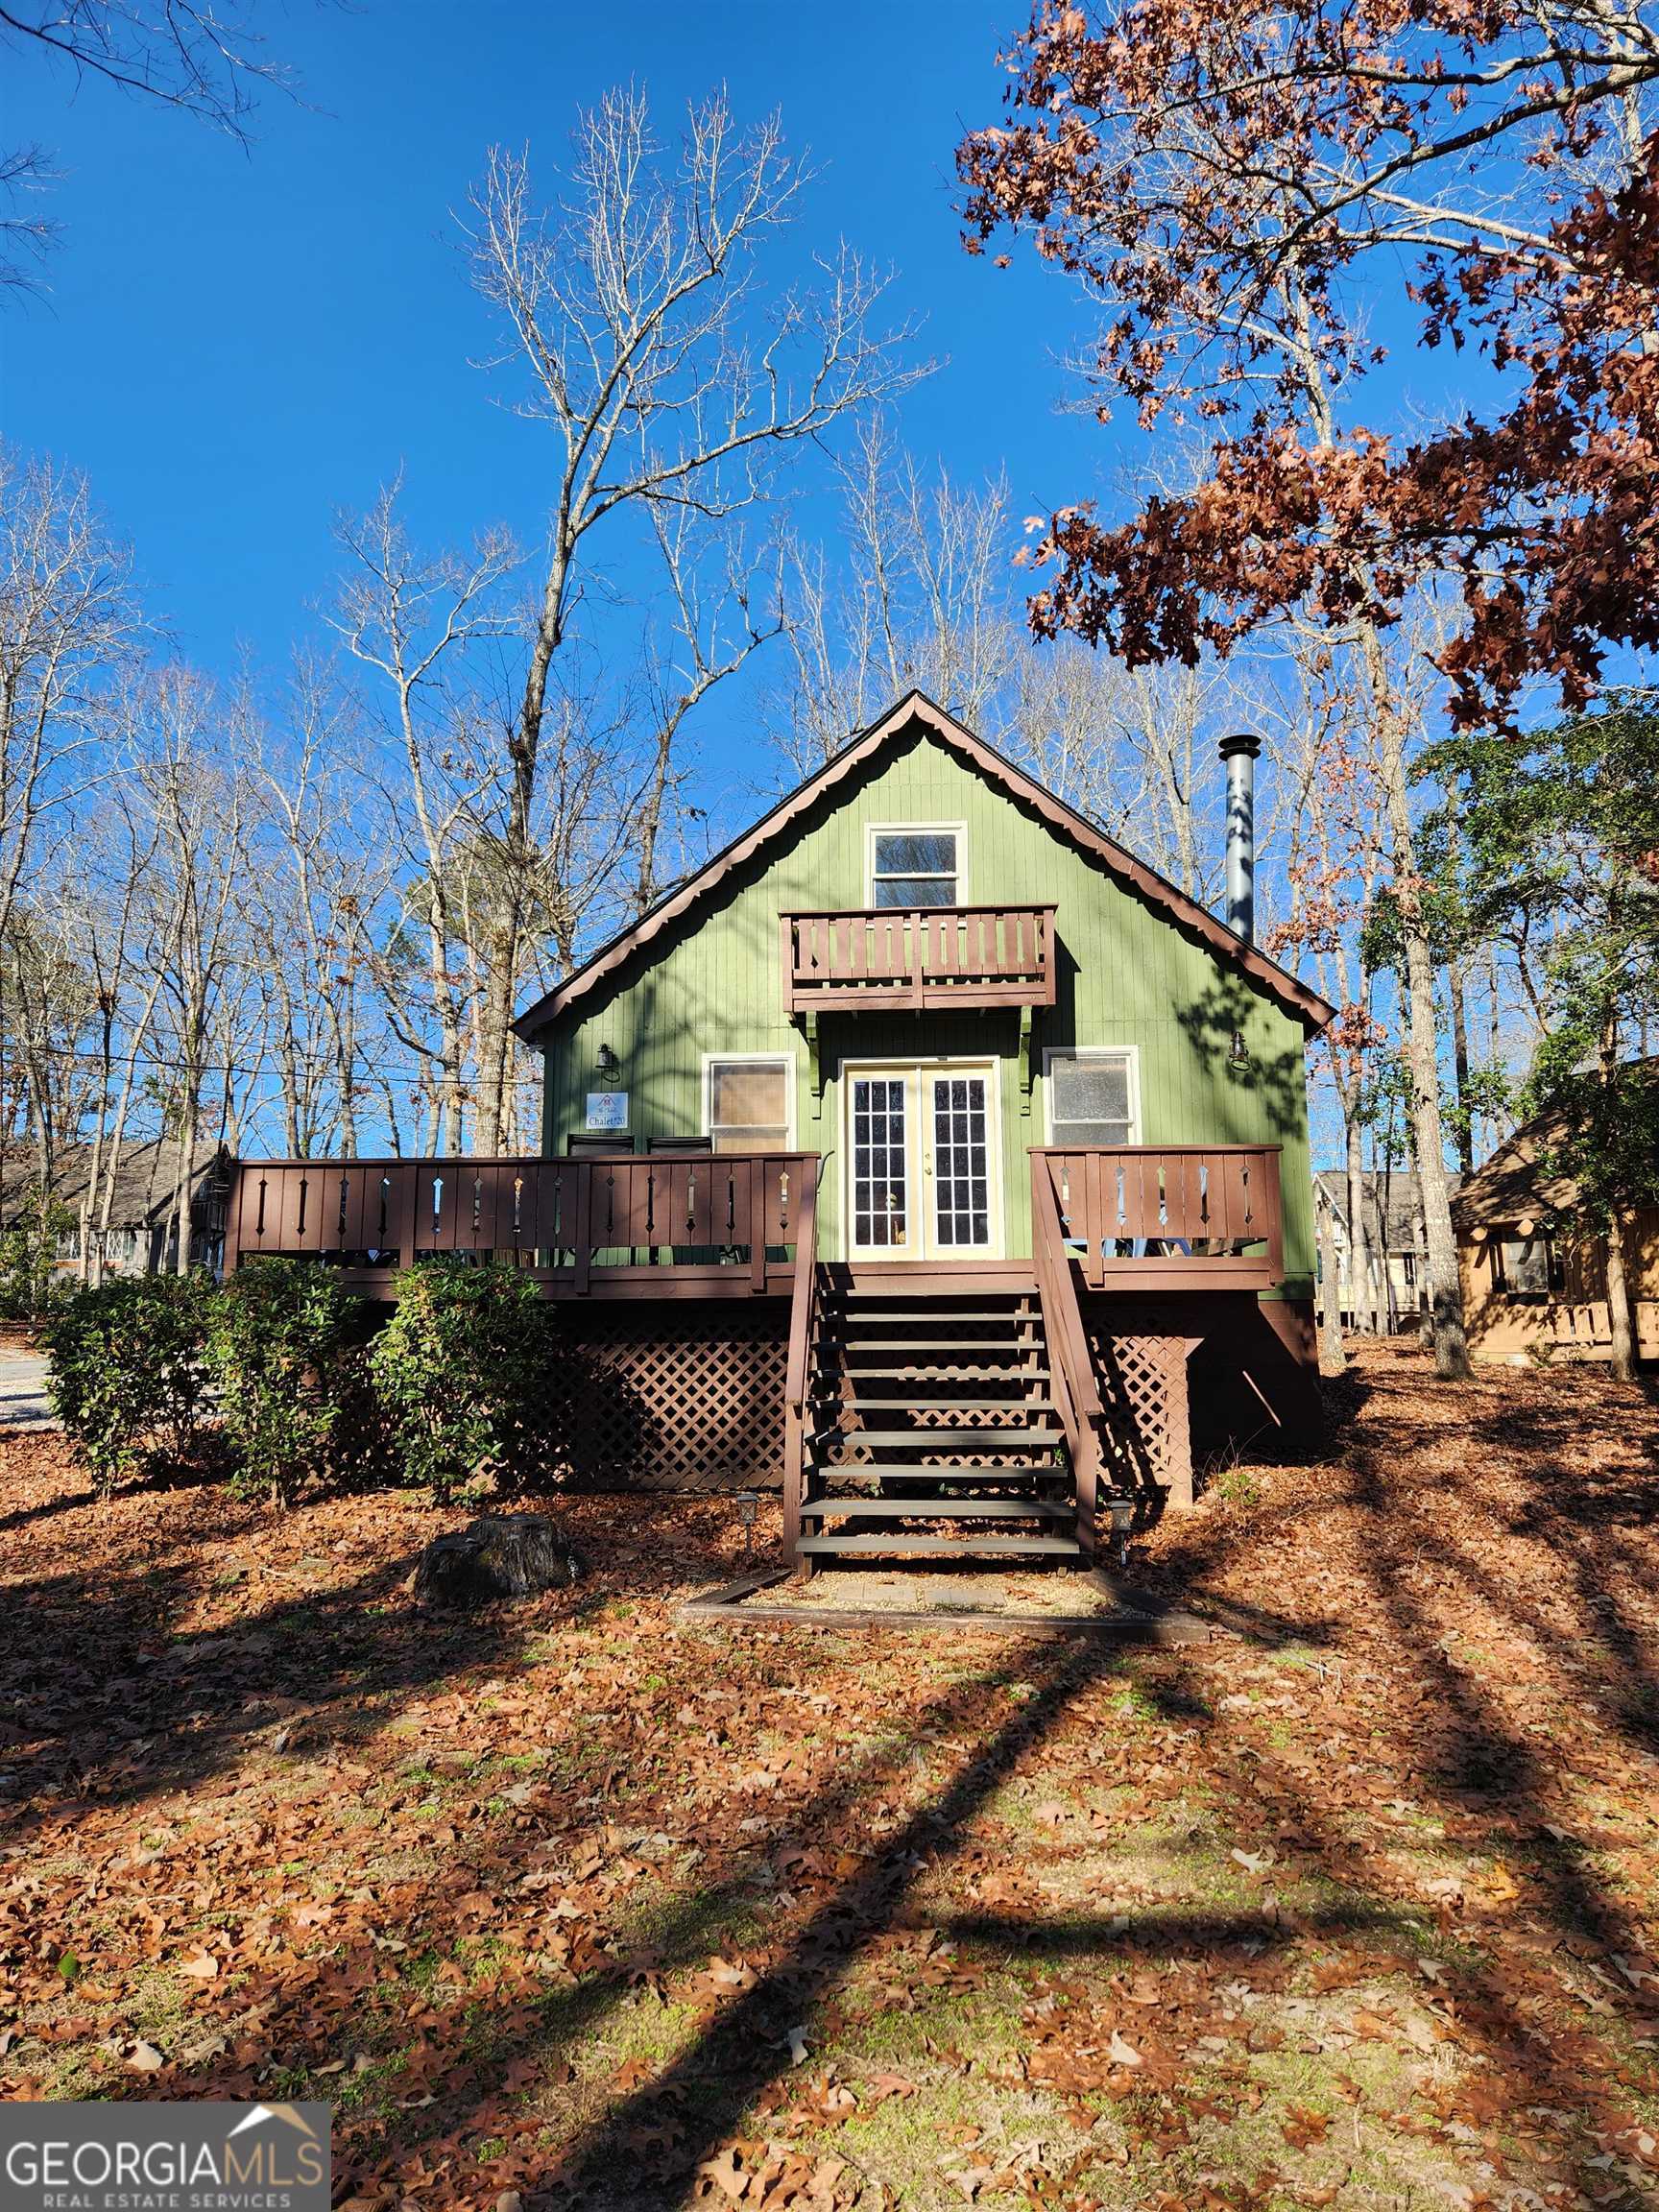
(573,1893)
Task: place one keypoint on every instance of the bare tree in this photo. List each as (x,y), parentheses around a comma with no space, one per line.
(202,57)
(635,311)
(67,620)
(189,772)
(725,602)
(914,595)
(412,620)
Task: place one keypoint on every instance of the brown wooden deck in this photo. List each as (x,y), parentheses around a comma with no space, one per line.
(1178,1218)
(917,958)
(697,1230)
(721,1226)
(1166,1217)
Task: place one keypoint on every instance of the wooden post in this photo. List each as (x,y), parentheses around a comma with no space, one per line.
(1178,1427)
(798,1377)
(786,961)
(758,1224)
(582,1235)
(1270,1193)
(406,1226)
(232,1251)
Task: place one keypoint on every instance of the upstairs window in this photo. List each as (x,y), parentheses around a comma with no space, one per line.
(919,867)
(1090,1096)
(749,1104)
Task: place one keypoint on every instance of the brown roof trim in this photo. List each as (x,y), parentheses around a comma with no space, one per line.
(913,709)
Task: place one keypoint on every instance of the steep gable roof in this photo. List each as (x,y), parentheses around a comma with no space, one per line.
(913,714)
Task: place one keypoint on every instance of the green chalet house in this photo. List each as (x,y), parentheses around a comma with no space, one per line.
(925,1156)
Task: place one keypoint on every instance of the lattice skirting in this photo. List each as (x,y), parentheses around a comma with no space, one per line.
(1141,1369)
(683,1401)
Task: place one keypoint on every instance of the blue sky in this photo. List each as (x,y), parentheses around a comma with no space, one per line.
(234,344)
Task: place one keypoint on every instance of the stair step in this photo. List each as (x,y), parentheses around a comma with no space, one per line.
(905,1471)
(938,1508)
(912,1547)
(961,1373)
(1014,1435)
(932,1344)
(965,1404)
(946,1314)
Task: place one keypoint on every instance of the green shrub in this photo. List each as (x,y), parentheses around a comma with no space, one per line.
(288,1347)
(29,1256)
(472,1376)
(128,1371)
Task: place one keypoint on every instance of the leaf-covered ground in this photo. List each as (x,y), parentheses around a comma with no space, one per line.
(1356,1905)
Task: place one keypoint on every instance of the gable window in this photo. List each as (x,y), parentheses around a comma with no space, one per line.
(916,867)
(1092,1096)
(749,1103)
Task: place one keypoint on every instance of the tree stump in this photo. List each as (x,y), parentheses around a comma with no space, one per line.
(498,1556)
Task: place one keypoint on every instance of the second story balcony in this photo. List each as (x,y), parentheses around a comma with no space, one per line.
(917,959)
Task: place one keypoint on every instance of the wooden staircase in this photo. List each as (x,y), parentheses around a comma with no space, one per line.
(932,1427)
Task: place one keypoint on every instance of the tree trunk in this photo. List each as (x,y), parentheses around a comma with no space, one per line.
(1621,1314)
(1422,1045)
(1460,1061)
(1332,1358)
(1621,1318)
(1360,1277)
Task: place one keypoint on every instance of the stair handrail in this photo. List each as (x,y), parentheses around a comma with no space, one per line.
(1072,1364)
(798,1377)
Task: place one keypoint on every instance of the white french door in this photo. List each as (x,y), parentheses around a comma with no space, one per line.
(921,1161)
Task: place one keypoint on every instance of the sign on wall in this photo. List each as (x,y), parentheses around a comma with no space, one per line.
(606,1109)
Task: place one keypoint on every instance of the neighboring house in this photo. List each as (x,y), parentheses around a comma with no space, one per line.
(1532,1288)
(1397,1291)
(142,1237)
(924,1152)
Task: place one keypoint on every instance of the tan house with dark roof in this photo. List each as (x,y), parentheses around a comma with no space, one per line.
(1531,1291)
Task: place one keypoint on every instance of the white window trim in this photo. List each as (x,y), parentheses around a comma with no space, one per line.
(875,829)
(783,1060)
(1129,1052)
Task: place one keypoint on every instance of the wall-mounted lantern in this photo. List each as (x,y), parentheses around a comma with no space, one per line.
(607,1065)
(1237,1053)
(748,1503)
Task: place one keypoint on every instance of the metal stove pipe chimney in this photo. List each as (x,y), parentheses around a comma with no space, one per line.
(1240,753)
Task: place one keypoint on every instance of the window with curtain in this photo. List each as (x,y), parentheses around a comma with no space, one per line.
(914,867)
(1527,1267)
(748,1105)
(1091,1097)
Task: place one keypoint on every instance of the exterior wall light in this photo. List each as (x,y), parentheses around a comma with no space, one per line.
(1237,1052)
(1122,1515)
(607,1065)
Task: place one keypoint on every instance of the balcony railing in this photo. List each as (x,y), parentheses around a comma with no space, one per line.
(917,958)
(705,1225)
(1171,1217)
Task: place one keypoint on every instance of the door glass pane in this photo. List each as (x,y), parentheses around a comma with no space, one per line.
(961,1162)
(1089,1098)
(881,1166)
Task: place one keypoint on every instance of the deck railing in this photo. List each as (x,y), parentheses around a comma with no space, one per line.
(917,958)
(692,1226)
(1071,1359)
(1176,1216)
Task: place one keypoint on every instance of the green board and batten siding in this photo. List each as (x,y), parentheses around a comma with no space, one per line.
(1128,976)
